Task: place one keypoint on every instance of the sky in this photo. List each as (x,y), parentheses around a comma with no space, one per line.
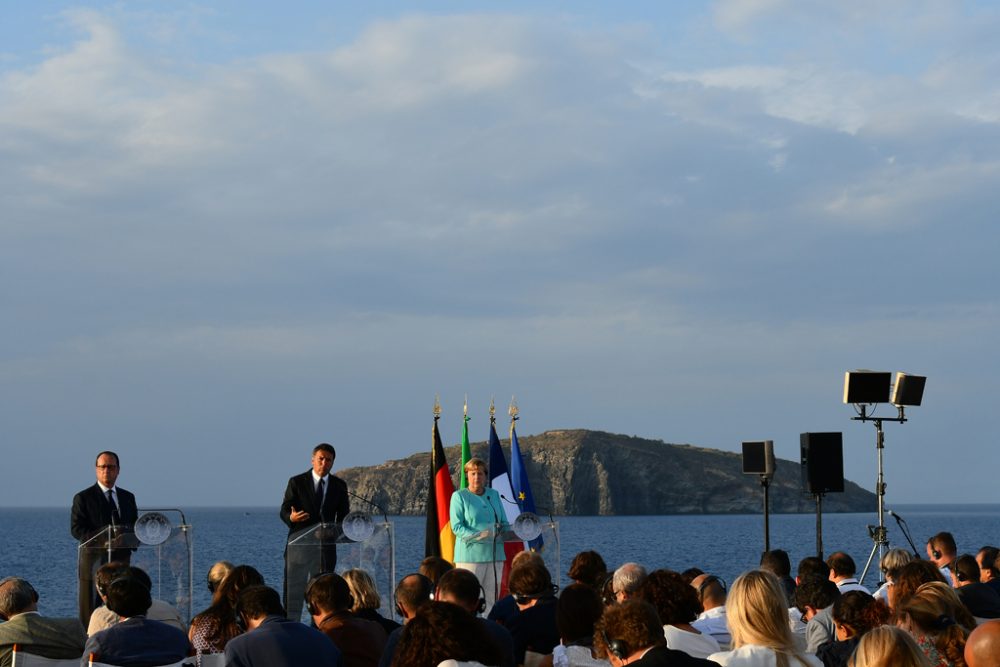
(232,230)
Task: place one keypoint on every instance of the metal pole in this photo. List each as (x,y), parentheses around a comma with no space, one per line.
(819,525)
(766,483)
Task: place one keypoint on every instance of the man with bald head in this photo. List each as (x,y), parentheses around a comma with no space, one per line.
(982,648)
(712,620)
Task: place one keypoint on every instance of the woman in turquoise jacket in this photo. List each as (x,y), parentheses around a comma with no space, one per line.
(476,513)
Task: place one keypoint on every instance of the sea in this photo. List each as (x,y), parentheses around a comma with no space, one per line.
(36,543)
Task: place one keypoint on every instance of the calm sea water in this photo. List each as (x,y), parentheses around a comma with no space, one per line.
(36,543)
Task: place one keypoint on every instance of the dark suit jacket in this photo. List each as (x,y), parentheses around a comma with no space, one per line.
(92,512)
(661,656)
(49,637)
(301,494)
(278,642)
(139,642)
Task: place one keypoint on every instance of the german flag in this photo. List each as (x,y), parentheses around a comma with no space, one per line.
(439,540)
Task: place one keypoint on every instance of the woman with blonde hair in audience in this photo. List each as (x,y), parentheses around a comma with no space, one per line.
(888,646)
(757,614)
(939,623)
(367,601)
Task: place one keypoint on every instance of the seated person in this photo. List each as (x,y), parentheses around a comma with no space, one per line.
(534,627)
(461,587)
(854,614)
(329,601)
(577,612)
(272,640)
(979,598)
(677,605)
(711,591)
(814,597)
(32,632)
(441,631)
(103,617)
(135,641)
(212,629)
(367,601)
(588,568)
(631,634)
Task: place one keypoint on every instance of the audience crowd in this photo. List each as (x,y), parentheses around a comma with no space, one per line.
(942,611)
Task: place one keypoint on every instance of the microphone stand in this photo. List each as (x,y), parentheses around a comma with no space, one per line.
(901,522)
(493,555)
(372,503)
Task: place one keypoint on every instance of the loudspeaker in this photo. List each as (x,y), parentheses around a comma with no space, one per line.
(822,462)
(758,458)
(909,389)
(866,387)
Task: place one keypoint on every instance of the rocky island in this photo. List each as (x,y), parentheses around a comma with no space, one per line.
(581,472)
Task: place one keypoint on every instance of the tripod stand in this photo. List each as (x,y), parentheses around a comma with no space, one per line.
(878,533)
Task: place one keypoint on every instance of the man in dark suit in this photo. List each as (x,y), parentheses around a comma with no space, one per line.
(49,637)
(94,509)
(274,641)
(311,498)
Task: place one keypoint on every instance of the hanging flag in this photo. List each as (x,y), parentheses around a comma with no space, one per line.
(466,454)
(500,481)
(439,540)
(519,479)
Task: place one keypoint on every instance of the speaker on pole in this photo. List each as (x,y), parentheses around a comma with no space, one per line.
(758,458)
(822,462)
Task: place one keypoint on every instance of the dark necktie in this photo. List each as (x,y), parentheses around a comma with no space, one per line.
(115,517)
(319,495)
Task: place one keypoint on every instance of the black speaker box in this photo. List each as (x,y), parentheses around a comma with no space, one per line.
(758,458)
(822,462)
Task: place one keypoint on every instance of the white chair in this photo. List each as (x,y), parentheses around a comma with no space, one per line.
(19,658)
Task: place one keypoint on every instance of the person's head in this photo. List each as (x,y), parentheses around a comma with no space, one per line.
(129,595)
(987,558)
(941,549)
(888,646)
(812,566)
(982,648)
(588,568)
(577,611)
(461,587)
(17,596)
(675,601)
(363,589)
(689,574)
(776,562)
(756,612)
(936,612)
(841,566)
(475,472)
(857,612)
(323,457)
(522,557)
(412,592)
(217,573)
(893,560)
(106,574)
(433,567)
(440,631)
(909,578)
(242,576)
(814,594)
(627,629)
(108,467)
(529,583)
(326,594)
(711,591)
(626,580)
(255,603)
(964,571)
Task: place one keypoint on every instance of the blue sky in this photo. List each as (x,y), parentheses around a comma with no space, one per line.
(229,233)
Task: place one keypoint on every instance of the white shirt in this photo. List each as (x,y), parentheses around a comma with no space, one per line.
(713,622)
(851,584)
(694,644)
(759,656)
(326,483)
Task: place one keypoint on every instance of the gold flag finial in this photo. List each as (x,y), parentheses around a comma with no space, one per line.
(437,406)
(512,410)
(465,408)
(493,411)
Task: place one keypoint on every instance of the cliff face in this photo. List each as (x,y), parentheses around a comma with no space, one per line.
(590,472)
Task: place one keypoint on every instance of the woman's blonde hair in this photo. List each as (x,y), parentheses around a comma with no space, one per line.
(475,462)
(888,646)
(757,613)
(362,590)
